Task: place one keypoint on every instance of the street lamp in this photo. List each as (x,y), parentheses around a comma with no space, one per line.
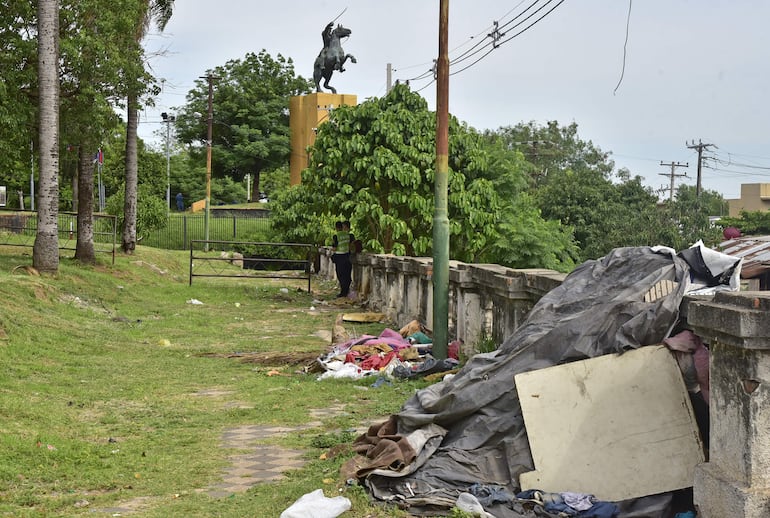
(168,119)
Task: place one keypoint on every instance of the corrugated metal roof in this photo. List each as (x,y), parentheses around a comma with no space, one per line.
(755,252)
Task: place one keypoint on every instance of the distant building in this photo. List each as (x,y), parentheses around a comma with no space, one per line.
(754,197)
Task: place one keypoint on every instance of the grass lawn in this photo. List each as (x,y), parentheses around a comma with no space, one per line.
(115,390)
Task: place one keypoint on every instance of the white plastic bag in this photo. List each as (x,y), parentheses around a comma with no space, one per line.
(316,505)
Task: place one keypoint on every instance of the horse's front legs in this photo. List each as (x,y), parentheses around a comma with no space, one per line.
(345,58)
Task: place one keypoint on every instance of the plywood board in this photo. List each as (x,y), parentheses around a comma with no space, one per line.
(616,426)
(363,317)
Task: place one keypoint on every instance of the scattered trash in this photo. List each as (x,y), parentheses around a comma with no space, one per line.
(237,304)
(194,301)
(284,290)
(380,382)
(164,342)
(316,505)
(312,308)
(470,504)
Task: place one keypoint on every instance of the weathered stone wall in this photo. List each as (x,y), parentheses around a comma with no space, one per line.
(736,479)
(486,301)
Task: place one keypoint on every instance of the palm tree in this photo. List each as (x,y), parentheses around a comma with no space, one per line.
(159,11)
(45,252)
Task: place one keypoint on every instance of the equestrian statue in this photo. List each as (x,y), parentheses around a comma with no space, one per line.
(331,57)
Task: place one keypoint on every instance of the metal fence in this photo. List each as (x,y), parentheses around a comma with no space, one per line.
(244,259)
(182,229)
(19,228)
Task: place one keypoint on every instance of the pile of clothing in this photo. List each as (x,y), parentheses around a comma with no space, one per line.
(394,354)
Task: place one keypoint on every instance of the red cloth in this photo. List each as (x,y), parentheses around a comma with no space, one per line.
(376,362)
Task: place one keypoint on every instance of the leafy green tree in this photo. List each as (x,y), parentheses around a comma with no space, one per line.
(19,91)
(553,148)
(251,116)
(151,209)
(574,182)
(374,165)
(97,61)
(691,215)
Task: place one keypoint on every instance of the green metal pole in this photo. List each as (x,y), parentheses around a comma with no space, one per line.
(440,213)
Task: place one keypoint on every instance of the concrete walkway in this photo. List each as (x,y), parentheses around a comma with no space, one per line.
(262,463)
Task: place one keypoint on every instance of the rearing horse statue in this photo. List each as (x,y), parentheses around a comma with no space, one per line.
(331,57)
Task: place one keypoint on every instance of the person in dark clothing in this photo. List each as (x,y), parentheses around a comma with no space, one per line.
(179,202)
(342,264)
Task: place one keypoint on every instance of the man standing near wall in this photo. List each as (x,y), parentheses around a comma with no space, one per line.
(342,263)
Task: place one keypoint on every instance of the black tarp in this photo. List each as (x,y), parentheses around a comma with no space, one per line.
(599,309)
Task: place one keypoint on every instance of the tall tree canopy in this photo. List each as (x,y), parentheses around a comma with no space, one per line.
(251,116)
(374,165)
(574,182)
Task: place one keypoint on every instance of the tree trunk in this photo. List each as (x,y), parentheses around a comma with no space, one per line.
(129,207)
(84,250)
(75,189)
(45,252)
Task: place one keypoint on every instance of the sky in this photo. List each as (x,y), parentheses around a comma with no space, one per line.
(642,80)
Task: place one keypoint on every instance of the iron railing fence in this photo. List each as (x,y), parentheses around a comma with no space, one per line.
(19,228)
(182,229)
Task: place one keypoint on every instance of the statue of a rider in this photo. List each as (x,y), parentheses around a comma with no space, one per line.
(331,57)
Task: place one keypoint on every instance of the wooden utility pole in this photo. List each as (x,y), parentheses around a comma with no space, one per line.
(440,212)
(673,175)
(700,146)
(209,136)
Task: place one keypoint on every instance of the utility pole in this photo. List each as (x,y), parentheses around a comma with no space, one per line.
(389,79)
(440,212)
(673,175)
(168,119)
(209,137)
(700,146)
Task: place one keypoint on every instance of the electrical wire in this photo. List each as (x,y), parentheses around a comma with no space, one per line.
(625,45)
(493,43)
(515,35)
(482,43)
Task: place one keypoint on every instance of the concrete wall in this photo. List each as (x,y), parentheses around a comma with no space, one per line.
(735,481)
(486,301)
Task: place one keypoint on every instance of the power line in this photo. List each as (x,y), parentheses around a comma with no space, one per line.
(492,40)
(515,35)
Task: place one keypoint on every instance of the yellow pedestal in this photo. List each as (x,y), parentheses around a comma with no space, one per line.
(306,113)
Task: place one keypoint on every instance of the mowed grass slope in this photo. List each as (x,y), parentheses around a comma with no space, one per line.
(115,390)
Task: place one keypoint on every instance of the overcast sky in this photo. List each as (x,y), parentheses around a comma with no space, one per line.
(695,70)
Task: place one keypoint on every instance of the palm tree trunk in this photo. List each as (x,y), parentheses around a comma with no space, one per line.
(45,252)
(84,249)
(129,207)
